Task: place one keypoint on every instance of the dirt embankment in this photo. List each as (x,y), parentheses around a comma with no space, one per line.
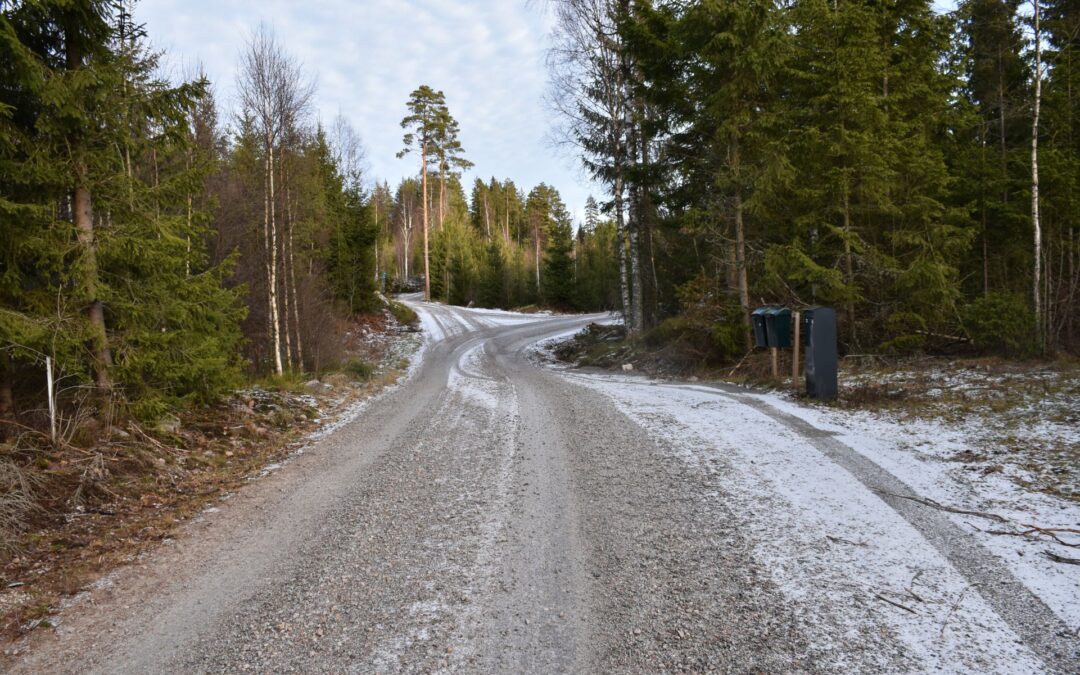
(72,512)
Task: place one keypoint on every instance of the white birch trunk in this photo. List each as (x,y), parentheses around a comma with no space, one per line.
(1037,227)
(272,279)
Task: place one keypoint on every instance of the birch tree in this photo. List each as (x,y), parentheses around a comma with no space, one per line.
(274,93)
(590,92)
(1040,323)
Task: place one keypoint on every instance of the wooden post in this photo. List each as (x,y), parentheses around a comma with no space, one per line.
(775,361)
(52,398)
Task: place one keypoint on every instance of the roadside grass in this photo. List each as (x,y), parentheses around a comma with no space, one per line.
(359,369)
(404,314)
(1019,414)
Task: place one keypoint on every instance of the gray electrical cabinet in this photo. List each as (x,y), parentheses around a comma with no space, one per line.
(819,340)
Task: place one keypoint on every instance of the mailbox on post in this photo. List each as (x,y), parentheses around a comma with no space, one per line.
(757,319)
(819,337)
(778,326)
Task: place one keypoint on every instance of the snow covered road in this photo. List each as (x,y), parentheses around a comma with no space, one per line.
(495,515)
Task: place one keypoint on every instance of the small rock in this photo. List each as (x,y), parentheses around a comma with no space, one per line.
(169,424)
(627,367)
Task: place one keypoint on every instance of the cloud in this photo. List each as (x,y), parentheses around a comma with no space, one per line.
(368,55)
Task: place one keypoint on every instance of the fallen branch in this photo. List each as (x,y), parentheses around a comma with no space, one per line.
(881,597)
(1031,529)
(1047,531)
(137,430)
(1061,559)
(954,338)
(737,365)
(941,507)
(840,540)
(911,585)
(954,608)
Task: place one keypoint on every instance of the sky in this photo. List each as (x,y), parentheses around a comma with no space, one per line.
(368,55)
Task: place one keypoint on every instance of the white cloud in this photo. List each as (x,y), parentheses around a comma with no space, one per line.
(368,55)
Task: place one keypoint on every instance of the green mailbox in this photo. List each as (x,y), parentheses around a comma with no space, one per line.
(757,319)
(778,326)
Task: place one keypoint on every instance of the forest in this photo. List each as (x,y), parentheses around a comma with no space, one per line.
(915,169)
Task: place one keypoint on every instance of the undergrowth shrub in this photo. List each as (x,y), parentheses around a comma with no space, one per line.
(1001,323)
(16,505)
(404,314)
(359,369)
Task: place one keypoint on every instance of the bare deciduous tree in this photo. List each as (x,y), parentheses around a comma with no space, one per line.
(589,90)
(275,93)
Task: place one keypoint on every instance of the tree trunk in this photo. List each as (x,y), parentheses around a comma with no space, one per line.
(84,228)
(487,217)
(296,300)
(632,224)
(286,302)
(1002,136)
(7,400)
(633,229)
(536,240)
(270,235)
(506,229)
(427,266)
(288,262)
(442,194)
(1040,323)
(635,277)
(849,267)
(620,238)
(740,242)
(985,225)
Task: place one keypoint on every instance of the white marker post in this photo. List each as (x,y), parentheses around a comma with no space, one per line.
(52,398)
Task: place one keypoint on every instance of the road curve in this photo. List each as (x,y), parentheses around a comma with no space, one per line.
(487,516)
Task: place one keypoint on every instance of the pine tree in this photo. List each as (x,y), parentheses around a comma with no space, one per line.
(558,276)
(426,124)
(494,290)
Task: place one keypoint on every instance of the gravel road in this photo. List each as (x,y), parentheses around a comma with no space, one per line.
(487,516)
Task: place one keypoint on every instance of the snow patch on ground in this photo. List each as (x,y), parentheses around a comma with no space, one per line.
(466,379)
(917,452)
(839,552)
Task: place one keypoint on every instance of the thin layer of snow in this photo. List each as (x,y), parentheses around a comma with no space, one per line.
(466,378)
(831,545)
(915,451)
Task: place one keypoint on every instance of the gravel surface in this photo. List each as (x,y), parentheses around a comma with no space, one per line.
(488,516)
